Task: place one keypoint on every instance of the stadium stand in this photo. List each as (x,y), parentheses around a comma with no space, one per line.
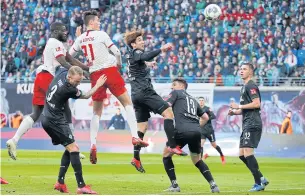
(270,34)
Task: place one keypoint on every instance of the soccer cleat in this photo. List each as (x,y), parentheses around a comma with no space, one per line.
(93,157)
(256,188)
(11,147)
(137,164)
(139,141)
(177,151)
(264,181)
(173,189)
(3,181)
(205,156)
(82,156)
(215,189)
(61,187)
(223,160)
(86,190)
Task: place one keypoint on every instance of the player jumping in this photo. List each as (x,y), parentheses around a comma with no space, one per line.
(95,45)
(207,131)
(249,108)
(187,112)
(54,55)
(144,97)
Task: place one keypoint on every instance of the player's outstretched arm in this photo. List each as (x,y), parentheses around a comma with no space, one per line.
(100,82)
(62,60)
(76,62)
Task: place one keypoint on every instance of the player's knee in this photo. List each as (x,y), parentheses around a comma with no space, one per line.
(195,157)
(168,113)
(248,152)
(214,144)
(72,147)
(166,153)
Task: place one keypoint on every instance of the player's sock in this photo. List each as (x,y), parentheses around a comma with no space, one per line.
(219,150)
(64,165)
(204,169)
(132,121)
(169,129)
(137,148)
(94,126)
(253,166)
(26,124)
(77,166)
(170,170)
(201,152)
(243,158)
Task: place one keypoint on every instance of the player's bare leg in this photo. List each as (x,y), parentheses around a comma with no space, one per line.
(247,156)
(205,156)
(136,161)
(223,160)
(204,170)
(169,129)
(131,119)
(94,127)
(25,125)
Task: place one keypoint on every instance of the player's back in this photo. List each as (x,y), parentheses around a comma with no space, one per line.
(95,47)
(53,49)
(186,110)
(60,90)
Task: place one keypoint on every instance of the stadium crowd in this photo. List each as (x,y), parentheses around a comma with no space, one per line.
(270,34)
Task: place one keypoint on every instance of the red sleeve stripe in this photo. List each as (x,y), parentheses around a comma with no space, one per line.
(110,45)
(59,55)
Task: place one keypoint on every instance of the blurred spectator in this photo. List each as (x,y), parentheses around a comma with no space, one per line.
(16,119)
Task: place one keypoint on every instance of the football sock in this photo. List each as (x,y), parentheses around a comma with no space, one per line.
(243,158)
(169,129)
(94,127)
(132,121)
(253,166)
(137,148)
(204,169)
(25,125)
(77,166)
(64,165)
(219,150)
(170,170)
(201,152)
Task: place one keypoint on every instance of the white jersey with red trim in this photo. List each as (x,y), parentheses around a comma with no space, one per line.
(95,47)
(54,48)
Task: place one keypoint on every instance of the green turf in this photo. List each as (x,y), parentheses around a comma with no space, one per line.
(35,172)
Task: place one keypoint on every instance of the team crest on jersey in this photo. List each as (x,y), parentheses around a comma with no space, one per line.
(58,49)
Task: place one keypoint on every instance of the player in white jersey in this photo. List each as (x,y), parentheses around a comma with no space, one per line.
(54,55)
(95,45)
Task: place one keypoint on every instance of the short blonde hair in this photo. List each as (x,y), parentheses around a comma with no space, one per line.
(130,37)
(75,70)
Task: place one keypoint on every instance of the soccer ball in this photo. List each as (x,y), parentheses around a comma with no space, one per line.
(212,12)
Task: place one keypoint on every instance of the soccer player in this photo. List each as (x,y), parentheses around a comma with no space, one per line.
(63,87)
(207,131)
(54,55)
(187,112)
(249,108)
(143,95)
(95,45)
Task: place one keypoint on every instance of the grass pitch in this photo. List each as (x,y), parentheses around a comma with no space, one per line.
(35,173)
